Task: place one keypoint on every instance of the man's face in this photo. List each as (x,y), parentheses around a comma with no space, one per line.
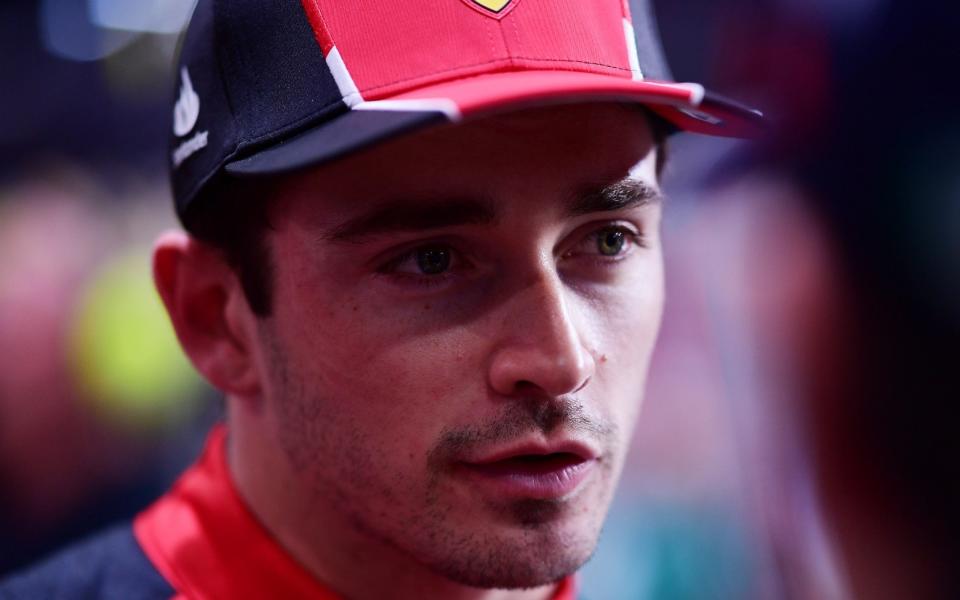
(461,327)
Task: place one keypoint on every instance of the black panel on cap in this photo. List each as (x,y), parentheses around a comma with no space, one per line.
(199,56)
(260,76)
(270,58)
(353,131)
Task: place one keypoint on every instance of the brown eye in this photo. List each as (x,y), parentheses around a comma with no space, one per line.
(433,260)
(610,242)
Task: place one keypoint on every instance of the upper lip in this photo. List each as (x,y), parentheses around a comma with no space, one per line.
(578,448)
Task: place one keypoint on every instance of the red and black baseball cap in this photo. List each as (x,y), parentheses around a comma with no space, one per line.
(272,86)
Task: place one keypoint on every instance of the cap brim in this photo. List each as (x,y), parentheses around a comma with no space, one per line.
(685,105)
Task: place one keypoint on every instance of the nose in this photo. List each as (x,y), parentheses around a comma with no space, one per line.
(541,351)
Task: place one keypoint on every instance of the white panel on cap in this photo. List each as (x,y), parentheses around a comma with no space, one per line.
(348,89)
(444,105)
(697,92)
(632,50)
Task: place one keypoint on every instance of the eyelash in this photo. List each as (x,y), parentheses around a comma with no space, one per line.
(421,280)
(389,268)
(631,236)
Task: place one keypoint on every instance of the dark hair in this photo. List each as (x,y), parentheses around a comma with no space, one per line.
(231,215)
(661,131)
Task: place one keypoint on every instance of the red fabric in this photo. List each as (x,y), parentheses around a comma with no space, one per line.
(493,92)
(499,92)
(567,589)
(568,34)
(320,29)
(391,46)
(202,538)
(206,543)
(532,51)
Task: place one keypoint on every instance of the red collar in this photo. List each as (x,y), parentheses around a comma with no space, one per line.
(205,541)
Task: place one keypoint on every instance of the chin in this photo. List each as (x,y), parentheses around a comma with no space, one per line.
(535,553)
(511,572)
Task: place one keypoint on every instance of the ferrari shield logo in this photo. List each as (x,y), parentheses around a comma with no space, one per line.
(494,6)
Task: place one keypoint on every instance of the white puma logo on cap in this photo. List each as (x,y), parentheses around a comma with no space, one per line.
(187,108)
(185,113)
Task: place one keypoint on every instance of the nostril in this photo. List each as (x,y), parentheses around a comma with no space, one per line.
(524,385)
(582,385)
(535,368)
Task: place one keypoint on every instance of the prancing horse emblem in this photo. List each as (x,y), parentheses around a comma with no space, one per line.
(493,6)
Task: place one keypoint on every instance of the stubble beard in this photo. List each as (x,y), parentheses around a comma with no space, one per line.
(529,543)
(538,542)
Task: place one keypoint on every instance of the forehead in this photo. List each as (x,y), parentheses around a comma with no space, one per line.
(535,153)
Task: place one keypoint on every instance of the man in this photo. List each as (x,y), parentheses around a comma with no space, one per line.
(423,265)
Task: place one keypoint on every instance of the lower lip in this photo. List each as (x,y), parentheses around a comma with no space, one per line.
(534,482)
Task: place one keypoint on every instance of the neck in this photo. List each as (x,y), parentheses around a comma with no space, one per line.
(311,530)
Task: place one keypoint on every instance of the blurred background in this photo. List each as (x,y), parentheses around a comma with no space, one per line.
(795,441)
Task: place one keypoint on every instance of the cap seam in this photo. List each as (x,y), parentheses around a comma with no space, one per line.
(503,38)
(230,105)
(220,74)
(516,33)
(490,38)
(509,61)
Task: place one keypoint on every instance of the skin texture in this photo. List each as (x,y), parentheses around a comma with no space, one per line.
(354,405)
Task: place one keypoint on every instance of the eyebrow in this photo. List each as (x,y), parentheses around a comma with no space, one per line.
(403,215)
(624,194)
(414,216)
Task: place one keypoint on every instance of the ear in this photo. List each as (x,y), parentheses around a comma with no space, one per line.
(209,312)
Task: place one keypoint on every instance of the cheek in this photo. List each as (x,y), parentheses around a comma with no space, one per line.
(627,323)
(384,381)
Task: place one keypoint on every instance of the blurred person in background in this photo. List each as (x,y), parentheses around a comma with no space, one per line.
(849,247)
(882,178)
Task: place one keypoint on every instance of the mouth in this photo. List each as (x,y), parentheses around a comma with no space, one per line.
(532,473)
